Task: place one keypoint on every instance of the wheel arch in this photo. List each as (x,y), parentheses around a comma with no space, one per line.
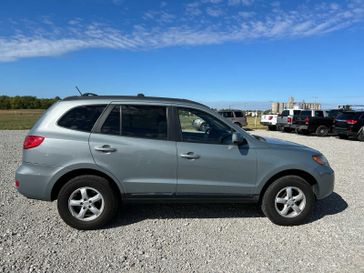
(83,171)
(303,174)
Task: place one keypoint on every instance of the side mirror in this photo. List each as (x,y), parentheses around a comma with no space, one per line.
(238,139)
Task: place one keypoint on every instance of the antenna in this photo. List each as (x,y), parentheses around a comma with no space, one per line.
(78,90)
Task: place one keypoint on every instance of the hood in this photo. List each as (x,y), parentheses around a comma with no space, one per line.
(279,143)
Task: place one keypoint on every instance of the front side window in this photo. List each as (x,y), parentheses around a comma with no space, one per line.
(81,118)
(227,114)
(200,127)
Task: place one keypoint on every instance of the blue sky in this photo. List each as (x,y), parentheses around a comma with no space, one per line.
(221,52)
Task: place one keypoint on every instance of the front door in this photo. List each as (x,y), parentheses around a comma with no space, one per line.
(132,144)
(208,162)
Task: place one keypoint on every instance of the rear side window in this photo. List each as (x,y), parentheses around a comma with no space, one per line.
(140,121)
(81,118)
(296,112)
(319,114)
(111,125)
(305,113)
(239,114)
(144,121)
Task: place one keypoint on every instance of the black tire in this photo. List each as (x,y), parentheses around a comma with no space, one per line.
(91,182)
(342,136)
(238,123)
(322,131)
(272,127)
(270,208)
(287,130)
(360,136)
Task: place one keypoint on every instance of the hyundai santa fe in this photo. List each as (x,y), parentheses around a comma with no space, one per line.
(93,153)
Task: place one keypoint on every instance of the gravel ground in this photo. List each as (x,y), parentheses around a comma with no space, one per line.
(188,238)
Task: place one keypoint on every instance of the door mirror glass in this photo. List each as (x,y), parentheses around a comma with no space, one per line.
(238,139)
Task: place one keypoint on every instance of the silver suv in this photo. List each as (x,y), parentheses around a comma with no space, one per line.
(236,116)
(97,152)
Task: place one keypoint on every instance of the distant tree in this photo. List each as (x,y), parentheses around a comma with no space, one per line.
(26,102)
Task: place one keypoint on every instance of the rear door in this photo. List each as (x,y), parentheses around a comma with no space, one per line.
(208,163)
(133,143)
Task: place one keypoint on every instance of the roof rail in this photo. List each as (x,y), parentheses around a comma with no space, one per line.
(89,94)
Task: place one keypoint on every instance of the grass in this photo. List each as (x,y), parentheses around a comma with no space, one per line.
(251,123)
(19,119)
(25,118)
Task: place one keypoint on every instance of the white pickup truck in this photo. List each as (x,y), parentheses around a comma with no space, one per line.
(270,121)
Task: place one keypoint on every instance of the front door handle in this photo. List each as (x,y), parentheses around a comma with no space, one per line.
(105,149)
(190,155)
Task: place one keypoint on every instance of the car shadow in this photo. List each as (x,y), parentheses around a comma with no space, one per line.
(331,205)
(134,213)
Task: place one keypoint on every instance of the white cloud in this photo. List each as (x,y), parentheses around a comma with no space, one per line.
(165,29)
(240,2)
(214,12)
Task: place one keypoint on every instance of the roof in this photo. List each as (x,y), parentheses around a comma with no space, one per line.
(139,97)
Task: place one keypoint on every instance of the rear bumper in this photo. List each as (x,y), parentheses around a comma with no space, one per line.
(267,123)
(345,132)
(34,180)
(325,177)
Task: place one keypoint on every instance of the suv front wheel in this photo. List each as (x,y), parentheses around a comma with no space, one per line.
(288,201)
(87,202)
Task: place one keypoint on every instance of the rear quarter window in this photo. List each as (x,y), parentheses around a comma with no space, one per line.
(81,118)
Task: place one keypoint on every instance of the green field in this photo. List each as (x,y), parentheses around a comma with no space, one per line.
(25,118)
(19,119)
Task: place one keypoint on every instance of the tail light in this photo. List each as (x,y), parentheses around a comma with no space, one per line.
(307,120)
(352,121)
(289,119)
(17,184)
(270,117)
(32,141)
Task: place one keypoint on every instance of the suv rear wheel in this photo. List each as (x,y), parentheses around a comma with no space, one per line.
(288,201)
(87,202)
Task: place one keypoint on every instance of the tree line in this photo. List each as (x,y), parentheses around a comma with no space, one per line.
(26,102)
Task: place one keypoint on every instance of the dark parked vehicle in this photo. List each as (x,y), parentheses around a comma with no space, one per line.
(350,124)
(317,122)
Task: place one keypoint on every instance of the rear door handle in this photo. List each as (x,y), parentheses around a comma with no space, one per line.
(190,155)
(105,149)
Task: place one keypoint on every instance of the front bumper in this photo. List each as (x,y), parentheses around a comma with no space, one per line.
(325,177)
